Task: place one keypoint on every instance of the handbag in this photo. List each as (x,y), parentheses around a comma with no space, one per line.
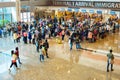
(46,36)
(112,62)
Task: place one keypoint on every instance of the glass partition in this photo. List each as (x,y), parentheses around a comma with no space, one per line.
(7,15)
(25,13)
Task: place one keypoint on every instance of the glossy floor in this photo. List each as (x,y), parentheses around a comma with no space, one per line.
(63,64)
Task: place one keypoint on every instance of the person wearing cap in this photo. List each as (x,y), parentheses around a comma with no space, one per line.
(110,60)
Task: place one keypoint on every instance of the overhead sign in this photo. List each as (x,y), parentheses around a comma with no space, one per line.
(25,8)
(91,11)
(76,10)
(62,9)
(69,9)
(83,10)
(112,12)
(99,12)
(88,4)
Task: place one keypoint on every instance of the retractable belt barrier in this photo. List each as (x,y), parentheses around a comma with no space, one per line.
(5,54)
(115,54)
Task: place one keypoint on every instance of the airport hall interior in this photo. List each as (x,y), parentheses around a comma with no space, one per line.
(59,39)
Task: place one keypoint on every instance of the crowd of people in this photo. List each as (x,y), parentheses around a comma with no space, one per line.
(85,30)
(76,32)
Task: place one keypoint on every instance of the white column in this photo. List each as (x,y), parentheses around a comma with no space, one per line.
(18,10)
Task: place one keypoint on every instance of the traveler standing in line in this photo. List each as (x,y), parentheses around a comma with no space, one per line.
(0,33)
(25,37)
(17,53)
(18,37)
(14,58)
(78,46)
(110,60)
(29,36)
(63,34)
(15,37)
(9,31)
(70,43)
(90,36)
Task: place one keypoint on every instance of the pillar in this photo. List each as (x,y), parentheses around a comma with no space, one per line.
(18,10)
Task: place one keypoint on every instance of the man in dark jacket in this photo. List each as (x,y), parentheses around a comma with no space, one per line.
(46,45)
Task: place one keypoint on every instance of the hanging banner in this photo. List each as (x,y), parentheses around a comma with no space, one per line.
(93,4)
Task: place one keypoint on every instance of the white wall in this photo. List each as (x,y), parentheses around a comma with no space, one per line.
(31,2)
(34,3)
(7,4)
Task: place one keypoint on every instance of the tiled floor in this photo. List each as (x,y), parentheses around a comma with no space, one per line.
(62,64)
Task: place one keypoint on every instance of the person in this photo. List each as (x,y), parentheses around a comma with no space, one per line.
(78,46)
(17,53)
(19,28)
(63,34)
(0,33)
(15,37)
(14,58)
(18,37)
(29,36)
(33,38)
(90,36)
(46,44)
(110,60)
(41,53)
(5,32)
(9,31)
(37,45)
(70,43)
(25,37)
